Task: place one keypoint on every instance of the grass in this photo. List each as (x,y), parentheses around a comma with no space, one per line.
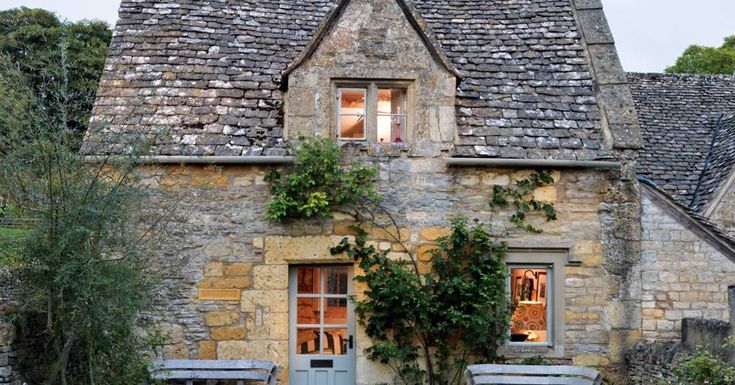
(11,233)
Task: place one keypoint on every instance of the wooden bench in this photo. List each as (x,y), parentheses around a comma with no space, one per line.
(200,370)
(531,375)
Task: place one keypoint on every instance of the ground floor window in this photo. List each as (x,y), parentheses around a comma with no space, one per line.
(531,322)
(536,287)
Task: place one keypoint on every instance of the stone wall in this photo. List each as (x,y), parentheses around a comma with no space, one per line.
(8,374)
(652,362)
(227,263)
(683,276)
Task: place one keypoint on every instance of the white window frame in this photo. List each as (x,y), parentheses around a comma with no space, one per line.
(555,260)
(365,92)
(371,117)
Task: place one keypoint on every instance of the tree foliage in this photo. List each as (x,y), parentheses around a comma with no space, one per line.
(707,60)
(318,182)
(82,271)
(428,327)
(54,68)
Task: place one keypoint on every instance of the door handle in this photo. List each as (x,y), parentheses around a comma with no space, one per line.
(350,342)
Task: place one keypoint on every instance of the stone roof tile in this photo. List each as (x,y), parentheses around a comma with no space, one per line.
(203,77)
(678,116)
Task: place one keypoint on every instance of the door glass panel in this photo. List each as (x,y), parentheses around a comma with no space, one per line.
(307,311)
(337,280)
(309,281)
(336,311)
(307,341)
(335,342)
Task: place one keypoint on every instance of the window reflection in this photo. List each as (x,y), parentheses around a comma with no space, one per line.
(309,281)
(335,342)
(307,341)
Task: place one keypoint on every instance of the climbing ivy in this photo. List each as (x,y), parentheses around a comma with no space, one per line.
(520,196)
(318,182)
(456,313)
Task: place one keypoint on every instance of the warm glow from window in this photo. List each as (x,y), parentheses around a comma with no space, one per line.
(391,115)
(352,111)
(529,288)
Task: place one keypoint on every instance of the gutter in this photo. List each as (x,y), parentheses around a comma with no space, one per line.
(546,163)
(183,159)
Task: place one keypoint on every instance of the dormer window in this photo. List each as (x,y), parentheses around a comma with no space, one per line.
(373,112)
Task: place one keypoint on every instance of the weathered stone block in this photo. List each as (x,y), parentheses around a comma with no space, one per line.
(270,300)
(227,333)
(214,269)
(238,269)
(219,295)
(221,318)
(270,277)
(434,233)
(226,283)
(207,350)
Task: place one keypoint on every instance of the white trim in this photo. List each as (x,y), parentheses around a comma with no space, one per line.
(712,206)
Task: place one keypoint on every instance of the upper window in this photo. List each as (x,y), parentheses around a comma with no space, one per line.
(373,112)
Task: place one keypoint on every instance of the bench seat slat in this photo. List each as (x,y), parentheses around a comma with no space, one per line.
(533,369)
(529,380)
(492,374)
(210,375)
(212,364)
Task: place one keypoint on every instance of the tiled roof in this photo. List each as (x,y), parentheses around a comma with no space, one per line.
(678,116)
(720,163)
(205,76)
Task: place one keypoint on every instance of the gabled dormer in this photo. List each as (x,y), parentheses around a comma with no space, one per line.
(372,73)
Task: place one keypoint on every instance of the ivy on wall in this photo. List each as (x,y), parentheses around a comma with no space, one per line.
(427,325)
(318,182)
(520,197)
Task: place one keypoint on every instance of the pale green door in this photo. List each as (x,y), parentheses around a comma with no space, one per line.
(322,326)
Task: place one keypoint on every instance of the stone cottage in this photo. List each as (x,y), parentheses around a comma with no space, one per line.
(448,98)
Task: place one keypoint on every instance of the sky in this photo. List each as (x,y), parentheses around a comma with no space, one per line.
(650,34)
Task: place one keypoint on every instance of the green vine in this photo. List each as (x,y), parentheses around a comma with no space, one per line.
(521,198)
(318,182)
(457,313)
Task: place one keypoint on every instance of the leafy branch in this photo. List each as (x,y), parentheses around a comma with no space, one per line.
(522,199)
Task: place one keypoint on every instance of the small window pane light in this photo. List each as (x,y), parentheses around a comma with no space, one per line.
(352,113)
(392,115)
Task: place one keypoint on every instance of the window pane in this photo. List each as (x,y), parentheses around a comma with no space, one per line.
(391,129)
(308,311)
(336,280)
(352,127)
(307,341)
(309,282)
(336,311)
(353,101)
(392,101)
(530,292)
(335,342)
